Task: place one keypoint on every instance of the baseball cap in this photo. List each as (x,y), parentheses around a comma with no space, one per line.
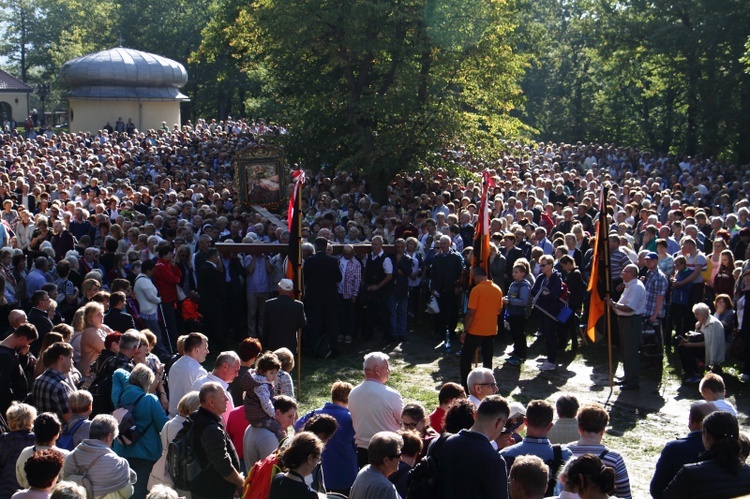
(286,284)
(652,256)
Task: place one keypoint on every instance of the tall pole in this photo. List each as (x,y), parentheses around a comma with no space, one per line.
(607,284)
(295,257)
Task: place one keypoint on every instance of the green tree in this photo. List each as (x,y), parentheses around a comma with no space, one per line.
(376,85)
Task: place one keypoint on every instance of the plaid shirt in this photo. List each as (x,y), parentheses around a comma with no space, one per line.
(51,391)
(349,285)
(656,285)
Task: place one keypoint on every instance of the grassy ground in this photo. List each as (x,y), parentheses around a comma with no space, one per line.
(641,422)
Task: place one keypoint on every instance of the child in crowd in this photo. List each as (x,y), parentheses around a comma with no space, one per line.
(713,390)
(448,393)
(258,387)
(284,385)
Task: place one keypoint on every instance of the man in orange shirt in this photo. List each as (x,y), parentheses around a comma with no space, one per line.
(480,322)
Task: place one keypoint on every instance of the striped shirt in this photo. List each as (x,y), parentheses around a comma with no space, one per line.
(618,259)
(612,459)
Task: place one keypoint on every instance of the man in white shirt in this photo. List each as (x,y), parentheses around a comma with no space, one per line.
(226,369)
(629,309)
(187,369)
(374,407)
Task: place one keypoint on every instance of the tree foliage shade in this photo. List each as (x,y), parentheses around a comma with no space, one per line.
(657,74)
(376,84)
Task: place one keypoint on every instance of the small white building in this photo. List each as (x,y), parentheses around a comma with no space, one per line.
(123,83)
(14,98)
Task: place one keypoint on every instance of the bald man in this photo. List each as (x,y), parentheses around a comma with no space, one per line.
(15,318)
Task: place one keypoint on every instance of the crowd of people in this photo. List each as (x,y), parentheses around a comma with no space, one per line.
(113,292)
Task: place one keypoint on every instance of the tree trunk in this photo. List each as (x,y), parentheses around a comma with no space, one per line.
(743,124)
(691,137)
(377,183)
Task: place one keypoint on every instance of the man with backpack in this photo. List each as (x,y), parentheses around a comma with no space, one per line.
(219,477)
(538,421)
(94,465)
(592,422)
(105,388)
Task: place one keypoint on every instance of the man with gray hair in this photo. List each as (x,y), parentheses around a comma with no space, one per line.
(376,292)
(479,384)
(220,476)
(629,309)
(107,471)
(226,369)
(348,287)
(384,454)
(374,407)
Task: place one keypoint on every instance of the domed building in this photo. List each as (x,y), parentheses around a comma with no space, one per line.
(123,84)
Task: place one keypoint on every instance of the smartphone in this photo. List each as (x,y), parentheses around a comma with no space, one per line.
(513,426)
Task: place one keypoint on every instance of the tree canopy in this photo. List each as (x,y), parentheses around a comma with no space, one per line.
(375,85)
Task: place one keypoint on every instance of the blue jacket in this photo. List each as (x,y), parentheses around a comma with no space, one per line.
(149,417)
(681,295)
(518,296)
(340,454)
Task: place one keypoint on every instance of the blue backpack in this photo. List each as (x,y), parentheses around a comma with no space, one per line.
(65,441)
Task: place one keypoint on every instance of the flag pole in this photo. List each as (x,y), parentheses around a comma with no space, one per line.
(299,290)
(607,284)
(294,257)
(481,240)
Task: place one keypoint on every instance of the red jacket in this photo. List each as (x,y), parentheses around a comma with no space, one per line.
(166,278)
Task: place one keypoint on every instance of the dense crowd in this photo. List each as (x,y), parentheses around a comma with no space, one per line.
(113,293)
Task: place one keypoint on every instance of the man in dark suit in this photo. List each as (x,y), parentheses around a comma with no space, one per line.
(681,451)
(116,317)
(284,317)
(212,298)
(322,275)
(39,317)
(470,467)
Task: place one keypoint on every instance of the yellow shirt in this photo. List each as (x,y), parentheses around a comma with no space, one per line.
(486,299)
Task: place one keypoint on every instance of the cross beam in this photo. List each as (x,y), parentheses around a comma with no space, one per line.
(257,248)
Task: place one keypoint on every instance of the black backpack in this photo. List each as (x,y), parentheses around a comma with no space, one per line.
(182,459)
(554,468)
(101,387)
(423,481)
